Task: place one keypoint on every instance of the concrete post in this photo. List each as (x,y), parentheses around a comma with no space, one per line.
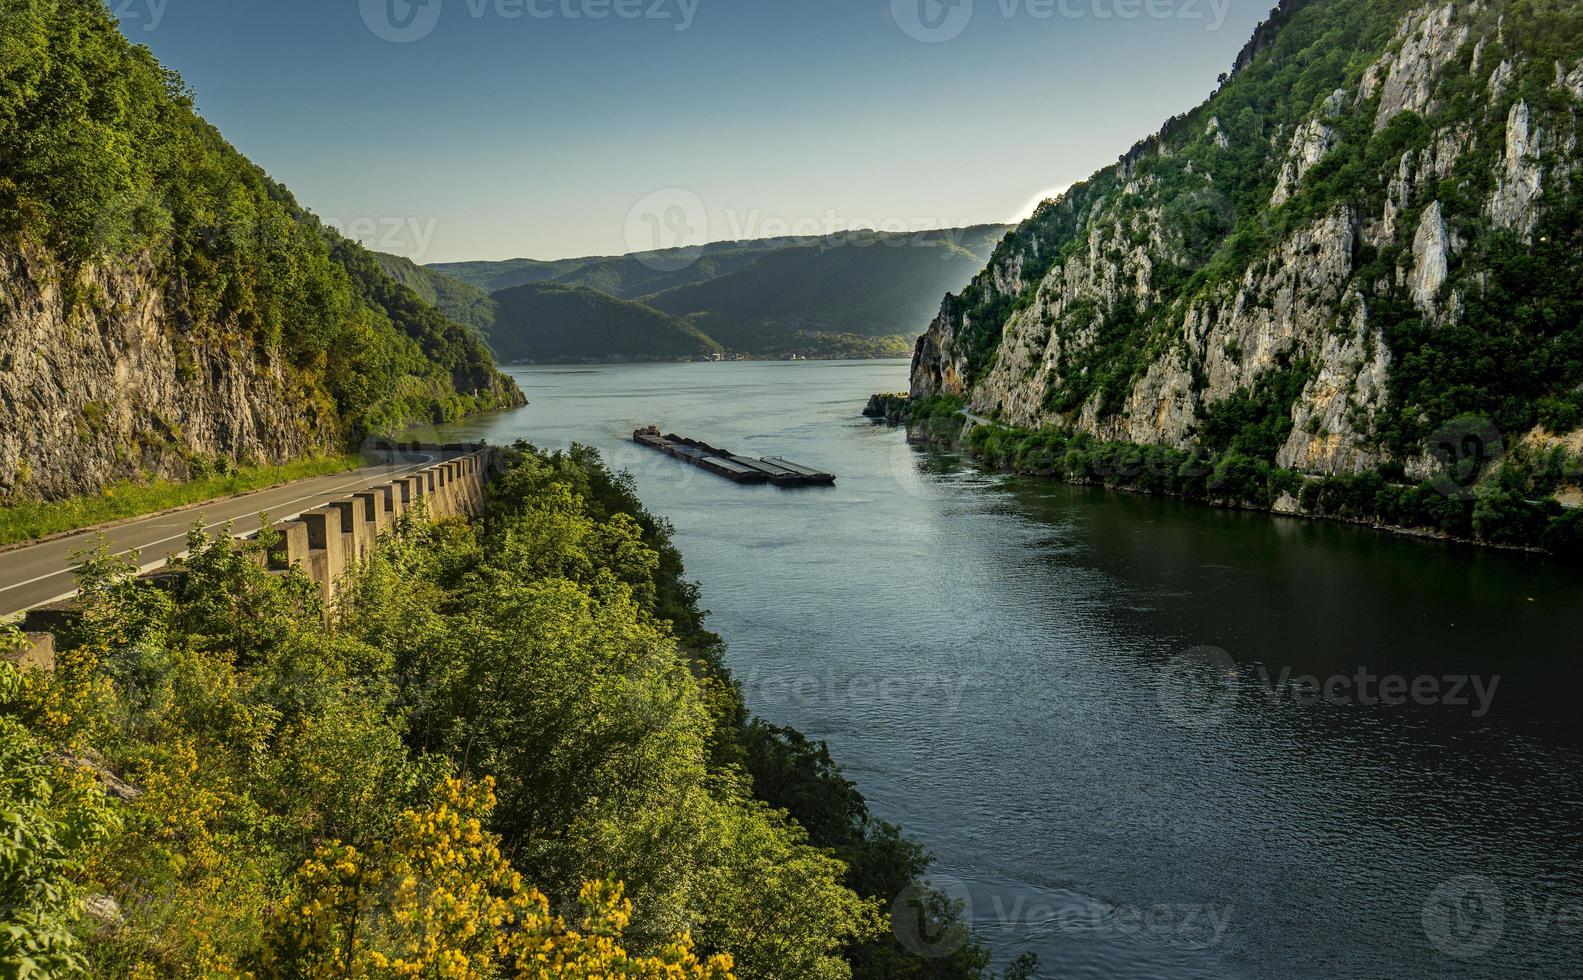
(439,500)
(327,554)
(355,530)
(390,499)
(37,653)
(447,472)
(293,549)
(472,502)
(372,503)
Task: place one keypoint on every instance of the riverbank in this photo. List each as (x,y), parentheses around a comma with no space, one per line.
(1510,504)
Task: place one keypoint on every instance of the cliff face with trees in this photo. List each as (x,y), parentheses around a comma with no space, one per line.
(163,302)
(1363,248)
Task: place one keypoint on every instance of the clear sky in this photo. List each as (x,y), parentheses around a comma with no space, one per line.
(487,129)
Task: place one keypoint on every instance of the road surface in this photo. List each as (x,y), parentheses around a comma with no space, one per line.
(31,575)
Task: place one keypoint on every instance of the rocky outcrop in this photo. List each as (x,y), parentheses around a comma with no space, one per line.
(1120,324)
(1431,250)
(1513,204)
(1310,143)
(1426,42)
(101,381)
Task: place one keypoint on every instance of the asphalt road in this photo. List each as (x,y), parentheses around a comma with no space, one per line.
(31,575)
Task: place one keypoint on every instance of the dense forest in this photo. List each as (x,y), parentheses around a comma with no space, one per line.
(107,174)
(515,750)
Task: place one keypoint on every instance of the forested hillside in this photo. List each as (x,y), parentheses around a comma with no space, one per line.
(1358,263)
(864,284)
(464,303)
(167,303)
(501,721)
(547,322)
(858,294)
(627,276)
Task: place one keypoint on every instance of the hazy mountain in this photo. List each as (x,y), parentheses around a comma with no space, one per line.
(854,295)
(863,284)
(551,322)
(628,276)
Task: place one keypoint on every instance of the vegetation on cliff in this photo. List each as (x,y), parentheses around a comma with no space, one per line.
(1368,233)
(501,719)
(1513,505)
(104,163)
(1362,248)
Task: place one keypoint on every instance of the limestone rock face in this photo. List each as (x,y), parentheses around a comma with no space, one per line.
(1513,205)
(1124,312)
(1310,143)
(1428,39)
(1431,246)
(112,387)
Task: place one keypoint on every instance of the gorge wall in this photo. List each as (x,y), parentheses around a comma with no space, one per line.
(1368,231)
(165,306)
(114,390)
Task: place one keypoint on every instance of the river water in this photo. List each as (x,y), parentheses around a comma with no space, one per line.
(1099,710)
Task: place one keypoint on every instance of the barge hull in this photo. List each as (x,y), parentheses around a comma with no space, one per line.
(739,469)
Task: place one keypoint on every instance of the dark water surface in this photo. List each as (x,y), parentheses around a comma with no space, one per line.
(1012,670)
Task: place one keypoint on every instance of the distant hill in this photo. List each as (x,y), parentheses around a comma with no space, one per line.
(862,284)
(551,322)
(462,302)
(862,294)
(626,276)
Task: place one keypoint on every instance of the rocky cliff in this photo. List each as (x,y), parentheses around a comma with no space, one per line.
(164,305)
(1370,229)
(112,389)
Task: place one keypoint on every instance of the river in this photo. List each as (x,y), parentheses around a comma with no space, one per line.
(1143,738)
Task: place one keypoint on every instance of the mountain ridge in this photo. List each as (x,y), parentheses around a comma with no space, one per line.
(1365,236)
(855,294)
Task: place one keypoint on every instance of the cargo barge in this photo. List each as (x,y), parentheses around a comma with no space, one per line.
(739,469)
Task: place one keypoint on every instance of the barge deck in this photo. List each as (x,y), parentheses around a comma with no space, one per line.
(739,469)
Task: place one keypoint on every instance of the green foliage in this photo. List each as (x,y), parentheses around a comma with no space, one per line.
(1107,365)
(547,667)
(50,818)
(105,162)
(1564,535)
(1510,507)
(462,302)
(1256,421)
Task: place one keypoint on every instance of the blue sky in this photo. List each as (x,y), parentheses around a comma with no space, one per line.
(487,129)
